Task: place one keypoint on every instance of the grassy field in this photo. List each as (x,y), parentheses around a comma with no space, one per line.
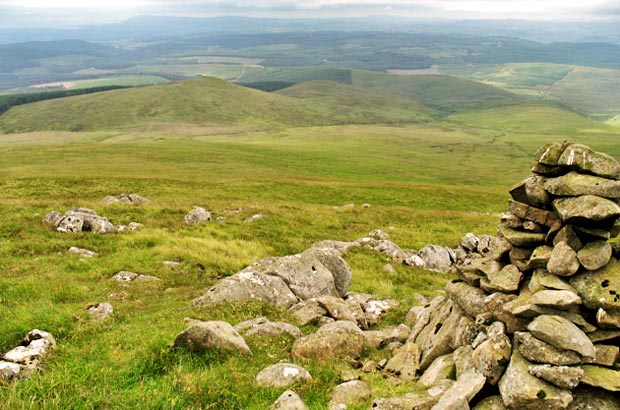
(432,182)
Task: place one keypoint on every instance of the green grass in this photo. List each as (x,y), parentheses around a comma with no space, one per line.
(431,182)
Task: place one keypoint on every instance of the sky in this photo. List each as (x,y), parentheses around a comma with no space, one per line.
(80,12)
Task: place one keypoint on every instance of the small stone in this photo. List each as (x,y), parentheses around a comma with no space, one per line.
(561,299)
(549,154)
(342,339)
(378,234)
(562,376)
(197,215)
(585,207)
(520,238)
(530,213)
(490,403)
(100,312)
(531,191)
(336,308)
(595,255)
(543,280)
(253,218)
(212,335)
(369,366)
(124,276)
(469,298)
(606,355)
(563,260)
(289,400)
(282,375)
(602,377)
(82,252)
(608,319)
(274,329)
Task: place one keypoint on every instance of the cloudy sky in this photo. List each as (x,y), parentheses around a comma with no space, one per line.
(71,12)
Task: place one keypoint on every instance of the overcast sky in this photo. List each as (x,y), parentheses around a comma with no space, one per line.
(72,12)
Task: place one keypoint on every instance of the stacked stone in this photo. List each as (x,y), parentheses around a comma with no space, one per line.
(536,312)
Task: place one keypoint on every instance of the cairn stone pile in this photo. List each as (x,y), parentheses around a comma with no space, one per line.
(536,311)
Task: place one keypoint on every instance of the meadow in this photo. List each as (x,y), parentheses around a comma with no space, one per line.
(431,182)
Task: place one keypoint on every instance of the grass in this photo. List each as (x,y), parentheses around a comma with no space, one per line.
(431,182)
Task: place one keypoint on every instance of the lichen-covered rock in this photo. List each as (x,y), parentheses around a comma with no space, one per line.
(562,334)
(336,308)
(100,312)
(463,391)
(595,255)
(282,375)
(563,260)
(585,207)
(590,398)
(442,368)
(600,288)
(507,279)
(575,184)
(9,370)
(538,351)
(561,299)
(274,329)
(520,390)
(405,363)
(491,357)
(342,339)
(197,215)
(490,403)
(602,377)
(289,400)
(469,298)
(352,392)
(436,257)
(307,312)
(562,376)
(219,335)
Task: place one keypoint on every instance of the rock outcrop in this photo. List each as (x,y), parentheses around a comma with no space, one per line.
(27,358)
(85,220)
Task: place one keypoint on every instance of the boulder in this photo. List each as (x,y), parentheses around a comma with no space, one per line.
(590,398)
(352,392)
(82,252)
(522,238)
(595,255)
(563,377)
(336,308)
(197,215)
(520,390)
(586,207)
(575,184)
(102,225)
(531,191)
(282,375)
(217,335)
(247,286)
(469,298)
(289,400)
(70,224)
(549,154)
(562,334)
(337,340)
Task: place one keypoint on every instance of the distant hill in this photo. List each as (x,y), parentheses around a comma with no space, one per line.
(212,101)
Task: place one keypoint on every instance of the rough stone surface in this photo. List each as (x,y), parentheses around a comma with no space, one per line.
(442,368)
(405,363)
(590,398)
(282,375)
(585,159)
(82,252)
(602,377)
(507,279)
(595,255)
(562,376)
(563,260)
(586,207)
(575,184)
(100,312)
(562,334)
(492,356)
(219,335)
(490,403)
(308,312)
(520,390)
(538,351)
(469,298)
(606,355)
(462,391)
(197,215)
(436,257)
(336,308)
(352,392)
(274,329)
(289,400)
(342,339)
(9,370)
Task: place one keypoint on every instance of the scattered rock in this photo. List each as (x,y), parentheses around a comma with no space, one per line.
(100,312)
(82,252)
(352,392)
(125,199)
(218,335)
(197,215)
(462,392)
(274,329)
(342,339)
(307,312)
(289,400)
(282,375)
(253,218)
(595,255)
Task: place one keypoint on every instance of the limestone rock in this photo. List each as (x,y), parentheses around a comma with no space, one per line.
(246,286)
(102,225)
(336,308)
(600,288)
(492,356)
(282,375)
(378,234)
(491,403)
(9,370)
(595,255)
(442,368)
(124,276)
(462,391)
(436,257)
(590,398)
(219,335)
(575,184)
(253,218)
(470,241)
(538,351)
(506,280)
(561,333)
(521,238)
(585,207)
(352,392)
(493,247)
(556,298)
(469,298)
(289,400)
(197,215)
(342,339)
(307,312)
(567,234)
(563,260)
(70,224)
(100,312)
(520,390)
(82,252)
(562,376)
(585,159)
(274,329)
(405,363)
(542,280)
(602,377)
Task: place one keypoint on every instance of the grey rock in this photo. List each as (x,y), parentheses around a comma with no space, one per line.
(436,257)
(342,339)
(595,255)
(102,225)
(540,257)
(583,158)
(274,329)
(490,403)
(352,392)
(9,370)
(70,224)
(378,234)
(336,308)
(289,400)
(124,276)
(563,377)
(543,280)
(531,191)
(197,215)
(82,252)
(218,335)
(375,309)
(247,286)
(562,334)
(469,298)
(606,355)
(100,312)
(561,299)
(521,238)
(575,184)
(282,375)
(307,312)
(530,213)
(492,356)
(493,247)
(600,288)
(507,279)
(550,154)
(405,363)
(608,319)
(462,392)
(463,360)
(520,390)
(412,315)
(590,398)
(602,377)
(585,207)
(52,218)
(246,325)
(417,401)
(470,242)
(538,351)
(442,368)
(563,260)
(567,234)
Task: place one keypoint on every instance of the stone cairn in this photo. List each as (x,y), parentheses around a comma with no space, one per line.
(534,320)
